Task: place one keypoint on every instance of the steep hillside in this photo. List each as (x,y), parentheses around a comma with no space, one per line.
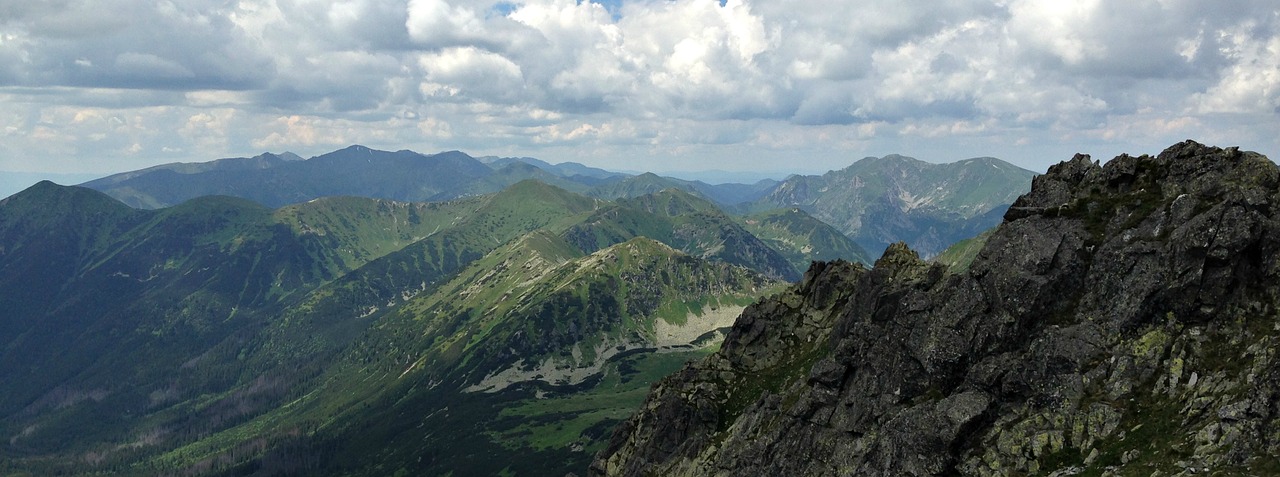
(689,223)
(1122,320)
(878,201)
(534,349)
(115,317)
(802,238)
(360,230)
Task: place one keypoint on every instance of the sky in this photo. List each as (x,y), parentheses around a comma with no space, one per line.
(102,86)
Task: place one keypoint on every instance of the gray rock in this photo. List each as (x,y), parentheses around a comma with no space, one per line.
(1058,350)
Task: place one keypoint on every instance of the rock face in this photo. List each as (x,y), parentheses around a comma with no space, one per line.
(1122,320)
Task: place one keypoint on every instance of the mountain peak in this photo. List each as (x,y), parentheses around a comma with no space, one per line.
(48,195)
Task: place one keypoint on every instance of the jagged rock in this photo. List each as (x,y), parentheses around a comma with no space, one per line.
(1121,321)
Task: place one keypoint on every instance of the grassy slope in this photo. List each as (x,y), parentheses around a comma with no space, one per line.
(802,238)
(254,322)
(399,384)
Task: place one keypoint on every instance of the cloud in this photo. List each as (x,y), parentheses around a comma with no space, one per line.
(711,79)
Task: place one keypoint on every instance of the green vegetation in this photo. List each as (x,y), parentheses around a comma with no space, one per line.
(255,338)
(958,257)
(802,239)
(584,419)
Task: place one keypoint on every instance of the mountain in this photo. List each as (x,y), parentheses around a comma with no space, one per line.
(115,317)
(536,348)
(649,183)
(1119,321)
(219,336)
(878,201)
(514,172)
(802,239)
(684,221)
(14,182)
(642,184)
(275,181)
(572,170)
(168,326)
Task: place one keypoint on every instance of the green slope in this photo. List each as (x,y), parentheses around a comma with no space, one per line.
(135,317)
(533,349)
(206,314)
(958,257)
(222,336)
(362,229)
(803,239)
(688,223)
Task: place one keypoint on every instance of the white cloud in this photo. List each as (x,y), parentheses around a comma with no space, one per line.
(635,79)
(1251,82)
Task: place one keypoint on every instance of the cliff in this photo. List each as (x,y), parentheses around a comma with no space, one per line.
(1122,320)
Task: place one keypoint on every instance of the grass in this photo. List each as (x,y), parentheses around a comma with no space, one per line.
(563,420)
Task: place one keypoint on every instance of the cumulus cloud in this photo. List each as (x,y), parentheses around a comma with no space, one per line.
(594,82)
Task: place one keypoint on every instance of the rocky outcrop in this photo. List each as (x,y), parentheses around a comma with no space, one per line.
(1122,320)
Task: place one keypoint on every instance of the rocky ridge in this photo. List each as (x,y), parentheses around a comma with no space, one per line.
(1122,320)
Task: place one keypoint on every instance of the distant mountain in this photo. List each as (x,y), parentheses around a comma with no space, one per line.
(642,184)
(877,201)
(571,170)
(649,183)
(514,172)
(275,181)
(355,333)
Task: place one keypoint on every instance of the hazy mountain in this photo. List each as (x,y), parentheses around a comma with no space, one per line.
(649,183)
(275,181)
(571,170)
(877,201)
(1119,321)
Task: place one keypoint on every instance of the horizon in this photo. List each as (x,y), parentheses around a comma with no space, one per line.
(685,85)
(12,182)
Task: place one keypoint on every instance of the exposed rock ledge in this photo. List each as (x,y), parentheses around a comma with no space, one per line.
(1121,321)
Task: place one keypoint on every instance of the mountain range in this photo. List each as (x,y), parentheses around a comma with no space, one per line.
(874,201)
(181,339)
(349,313)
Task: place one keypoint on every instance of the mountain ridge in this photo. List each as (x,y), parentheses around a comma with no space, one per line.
(877,201)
